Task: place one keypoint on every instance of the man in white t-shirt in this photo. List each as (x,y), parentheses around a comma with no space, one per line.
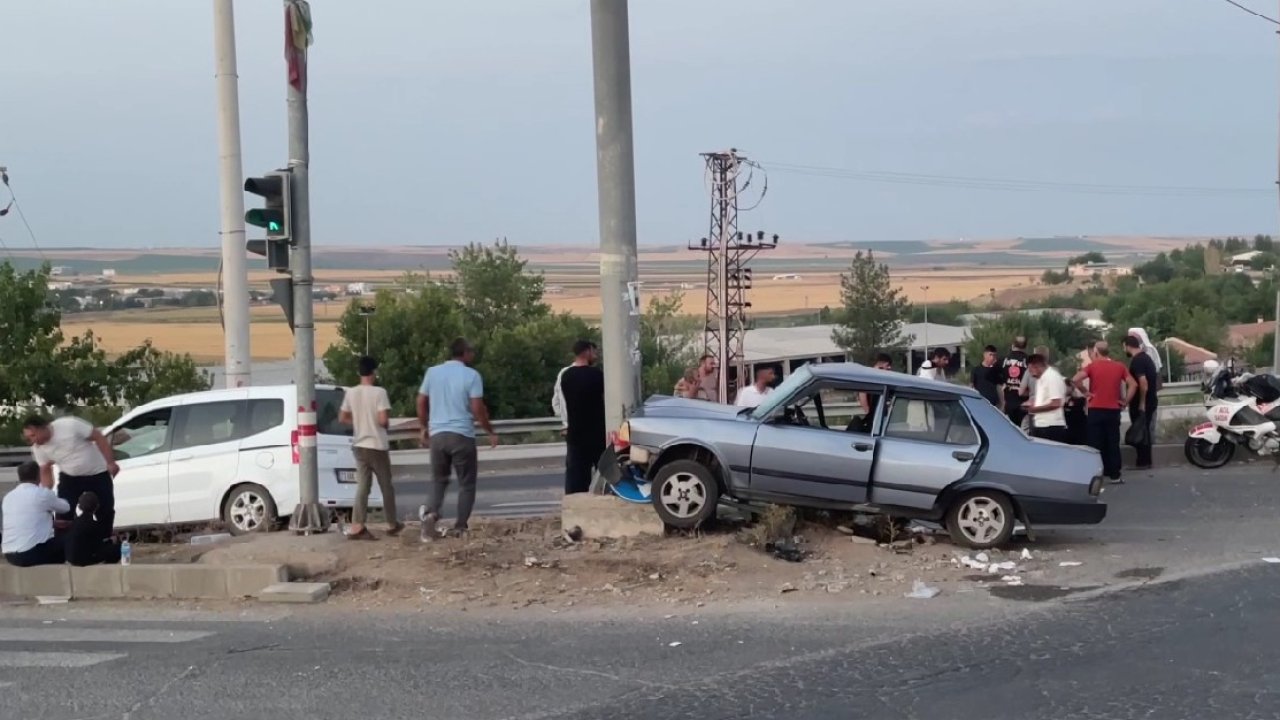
(28,521)
(367,409)
(84,458)
(1048,419)
(752,395)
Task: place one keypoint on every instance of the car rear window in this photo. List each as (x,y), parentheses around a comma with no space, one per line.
(328,405)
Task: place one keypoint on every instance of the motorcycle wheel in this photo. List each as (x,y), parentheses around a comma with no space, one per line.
(1207,455)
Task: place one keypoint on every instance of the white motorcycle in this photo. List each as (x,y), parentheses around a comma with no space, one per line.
(1243,411)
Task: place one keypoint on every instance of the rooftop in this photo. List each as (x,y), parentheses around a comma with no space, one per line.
(814,341)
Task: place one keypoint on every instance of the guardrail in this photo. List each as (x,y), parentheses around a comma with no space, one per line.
(404,429)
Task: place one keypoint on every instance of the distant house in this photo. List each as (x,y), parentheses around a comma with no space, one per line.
(1092,318)
(1245,335)
(1088,270)
(1193,356)
(1245,258)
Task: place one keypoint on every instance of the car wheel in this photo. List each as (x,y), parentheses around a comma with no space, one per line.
(1207,455)
(249,508)
(685,494)
(981,519)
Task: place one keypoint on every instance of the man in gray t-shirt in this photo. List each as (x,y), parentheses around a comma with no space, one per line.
(367,409)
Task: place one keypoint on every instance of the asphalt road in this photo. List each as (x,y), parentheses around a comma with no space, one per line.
(1206,647)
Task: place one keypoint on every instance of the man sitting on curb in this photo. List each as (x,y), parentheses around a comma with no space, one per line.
(28,521)
(89,541)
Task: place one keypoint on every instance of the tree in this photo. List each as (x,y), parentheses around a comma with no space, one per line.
(1055,277)
(874,309)
(668,344)
(1064,336)
(1092,257)
(495,287)
(1263,243)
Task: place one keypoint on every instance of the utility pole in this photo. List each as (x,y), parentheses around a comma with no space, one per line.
(308,517)
(1275,281)
(235,267)
(616,188)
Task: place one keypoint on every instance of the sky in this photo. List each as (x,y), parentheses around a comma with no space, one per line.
(438,122)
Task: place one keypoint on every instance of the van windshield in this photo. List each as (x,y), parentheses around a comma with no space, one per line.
(328,404)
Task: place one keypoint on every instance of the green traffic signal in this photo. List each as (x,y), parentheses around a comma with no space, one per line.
(274,216)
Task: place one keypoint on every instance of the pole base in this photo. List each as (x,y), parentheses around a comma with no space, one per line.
(309,518)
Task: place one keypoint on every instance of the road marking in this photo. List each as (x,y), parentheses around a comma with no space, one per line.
(92,635)
(531,503)
(24,659)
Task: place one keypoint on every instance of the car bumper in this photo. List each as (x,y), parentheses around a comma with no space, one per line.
(1043,511)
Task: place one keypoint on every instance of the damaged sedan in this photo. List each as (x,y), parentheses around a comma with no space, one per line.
(925,450)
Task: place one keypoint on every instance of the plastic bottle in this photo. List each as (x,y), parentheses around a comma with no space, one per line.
(126,553)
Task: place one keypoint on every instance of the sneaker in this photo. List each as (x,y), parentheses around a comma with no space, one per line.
(458,532)
(429,527)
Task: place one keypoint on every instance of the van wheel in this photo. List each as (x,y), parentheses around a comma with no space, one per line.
(981,519)
(249,508)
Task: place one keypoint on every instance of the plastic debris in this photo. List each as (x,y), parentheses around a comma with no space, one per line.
(1271,560)
(1012,579)
(677,643)
(209,539)
(921,591)
(982,557)
(53,599)
(1070,563)
(785,551)
(971,563)
(1003,566)
(1026,554)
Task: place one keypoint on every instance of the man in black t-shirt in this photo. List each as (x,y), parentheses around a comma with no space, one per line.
(1145,402)
(582,386)
(1013,371)
(987,379)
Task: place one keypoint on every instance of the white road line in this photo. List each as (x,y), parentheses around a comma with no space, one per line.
(97,635)
(23,659)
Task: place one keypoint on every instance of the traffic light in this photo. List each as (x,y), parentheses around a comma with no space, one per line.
(274,217)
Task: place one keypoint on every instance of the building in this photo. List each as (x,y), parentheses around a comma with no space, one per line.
(1246,335)
(790,348)
(1105,269)
(1193,356)
(1245,258)
(1091,318)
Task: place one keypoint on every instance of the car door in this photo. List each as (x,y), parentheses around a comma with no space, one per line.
(828,460)
(928,442)
(142,448)
(205,457)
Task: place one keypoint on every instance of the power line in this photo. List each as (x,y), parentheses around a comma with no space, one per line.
(13,203)
(1007,184)
(1255,13)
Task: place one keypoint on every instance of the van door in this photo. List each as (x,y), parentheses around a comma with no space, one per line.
(205,458)
(142,450)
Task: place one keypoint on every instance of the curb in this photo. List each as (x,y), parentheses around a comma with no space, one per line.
(115,582)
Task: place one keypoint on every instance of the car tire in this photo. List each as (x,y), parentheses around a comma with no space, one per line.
(1207,455)
(249,508)
(981,519)
(685,494)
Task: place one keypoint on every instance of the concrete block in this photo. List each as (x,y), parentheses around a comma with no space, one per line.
(148,581)
(609,516)
(97,581)
(9,580)
(198,582)
(249,580)
(310,592)
(44,580)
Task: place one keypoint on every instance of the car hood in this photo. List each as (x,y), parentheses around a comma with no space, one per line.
(662,406)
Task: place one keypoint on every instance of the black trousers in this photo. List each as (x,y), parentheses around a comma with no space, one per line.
(1056,433)
(1144,451)
(104,553)
(71,487)
(49,552)
(1013,408)
(1077,424)
(579,460)
(1104,436)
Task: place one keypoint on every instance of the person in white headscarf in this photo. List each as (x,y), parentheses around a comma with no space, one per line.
(1148,347)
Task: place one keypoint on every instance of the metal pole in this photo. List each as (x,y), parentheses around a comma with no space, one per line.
(308,517)
(616,187)
(235,266)
(925,288)
(1275,341)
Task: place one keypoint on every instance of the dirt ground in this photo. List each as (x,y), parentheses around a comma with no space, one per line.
(521,563)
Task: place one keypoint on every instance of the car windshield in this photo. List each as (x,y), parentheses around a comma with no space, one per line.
(780,394)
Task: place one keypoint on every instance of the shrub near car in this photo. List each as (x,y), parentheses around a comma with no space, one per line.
(928,450)
(228,455)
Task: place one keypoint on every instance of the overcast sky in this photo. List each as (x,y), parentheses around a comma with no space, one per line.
(439,122)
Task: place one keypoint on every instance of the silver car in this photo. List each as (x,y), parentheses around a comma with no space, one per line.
(926,450)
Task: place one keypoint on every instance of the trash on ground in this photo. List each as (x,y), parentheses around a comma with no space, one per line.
(973,564)
(787,588)
(1026,554)
(573,534)
(53,599)
(1070,563)
(921,591)
(982,557)
(1271,560)
(1012,580)
(785,551)
(677,643)
(209,539)
(1005,566)
(844,529)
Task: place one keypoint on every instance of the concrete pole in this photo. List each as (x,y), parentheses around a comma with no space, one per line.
(616,187)
(308,517)
(235,266)
(1275,281)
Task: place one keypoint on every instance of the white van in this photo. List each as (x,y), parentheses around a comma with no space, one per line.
(228,455)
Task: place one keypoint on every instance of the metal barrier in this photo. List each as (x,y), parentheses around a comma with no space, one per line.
(405,429)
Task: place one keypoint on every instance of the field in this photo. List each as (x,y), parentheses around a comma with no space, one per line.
(198,331)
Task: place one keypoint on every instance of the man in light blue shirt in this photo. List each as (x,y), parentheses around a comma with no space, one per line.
(450,403)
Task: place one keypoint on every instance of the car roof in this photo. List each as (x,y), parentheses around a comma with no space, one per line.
(253,392)
(856,372)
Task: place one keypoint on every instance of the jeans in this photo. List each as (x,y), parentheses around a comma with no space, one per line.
(1104,436)
(579,460)
(49,552)
(71,487)
(452,452)
(1144,451)
(371,462)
